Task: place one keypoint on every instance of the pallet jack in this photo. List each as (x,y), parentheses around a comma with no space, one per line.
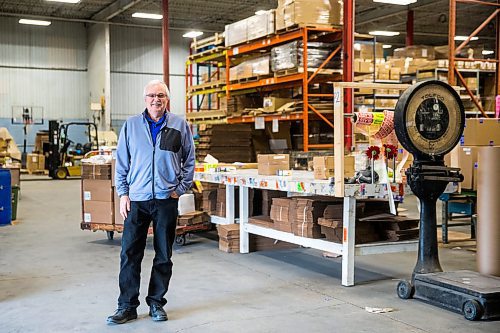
(429,121)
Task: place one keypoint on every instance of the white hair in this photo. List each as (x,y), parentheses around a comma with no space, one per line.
(154,83)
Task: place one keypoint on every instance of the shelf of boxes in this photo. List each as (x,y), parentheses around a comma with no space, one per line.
(472,77)
(301,183)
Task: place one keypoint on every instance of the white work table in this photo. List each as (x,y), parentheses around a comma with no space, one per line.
(302,183)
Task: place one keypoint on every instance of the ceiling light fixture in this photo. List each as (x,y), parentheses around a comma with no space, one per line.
(65,1)
(487,52)
(193,34)
(465,37)
(397,2)
(148,16)
(35,22)
(383,33)
(260,12)
(386,46)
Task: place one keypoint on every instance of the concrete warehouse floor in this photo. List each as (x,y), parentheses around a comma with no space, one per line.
(55,277)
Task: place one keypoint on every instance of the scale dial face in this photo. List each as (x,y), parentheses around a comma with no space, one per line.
(429,118)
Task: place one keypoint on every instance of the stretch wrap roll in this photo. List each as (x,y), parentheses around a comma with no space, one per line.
(488,211)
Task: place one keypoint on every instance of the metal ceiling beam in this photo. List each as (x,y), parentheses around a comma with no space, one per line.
(62,19)
(376,15)
(114,9)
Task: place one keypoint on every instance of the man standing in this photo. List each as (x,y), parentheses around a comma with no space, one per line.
(154,166)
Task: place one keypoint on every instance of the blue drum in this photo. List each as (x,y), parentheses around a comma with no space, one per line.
(5,197)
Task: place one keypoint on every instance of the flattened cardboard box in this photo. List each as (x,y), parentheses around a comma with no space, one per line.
(118,217)
(98,212)
(97,190)
(481,132)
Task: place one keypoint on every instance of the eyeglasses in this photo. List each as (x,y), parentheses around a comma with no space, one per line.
(156,95)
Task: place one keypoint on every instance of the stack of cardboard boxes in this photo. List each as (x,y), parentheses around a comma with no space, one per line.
(479,132)
(97,194)
(35,162)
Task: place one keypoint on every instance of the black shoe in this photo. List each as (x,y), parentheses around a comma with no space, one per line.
(121,316)
(157,313)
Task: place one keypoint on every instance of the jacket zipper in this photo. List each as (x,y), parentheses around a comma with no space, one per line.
(153,178)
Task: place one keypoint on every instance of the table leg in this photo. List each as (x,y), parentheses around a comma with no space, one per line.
(230,204)
(348,244)
(244,236)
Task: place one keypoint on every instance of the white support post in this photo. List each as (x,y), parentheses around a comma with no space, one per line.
(348,244)
(230,204)
(338,139)
(244,236)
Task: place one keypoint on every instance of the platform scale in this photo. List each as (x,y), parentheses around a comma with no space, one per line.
(429,120)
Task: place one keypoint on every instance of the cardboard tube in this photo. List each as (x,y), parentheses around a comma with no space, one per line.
(488,211)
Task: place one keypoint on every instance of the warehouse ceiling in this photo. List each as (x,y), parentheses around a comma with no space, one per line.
(430,16)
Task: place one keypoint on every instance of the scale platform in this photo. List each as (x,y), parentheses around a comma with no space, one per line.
(474,295)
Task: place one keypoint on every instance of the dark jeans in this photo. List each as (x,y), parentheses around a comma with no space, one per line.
(163,213)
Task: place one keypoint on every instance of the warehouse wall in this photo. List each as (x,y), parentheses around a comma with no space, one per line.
(47,67)
(136,58)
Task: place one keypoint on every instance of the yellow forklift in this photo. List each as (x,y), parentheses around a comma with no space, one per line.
(63,155)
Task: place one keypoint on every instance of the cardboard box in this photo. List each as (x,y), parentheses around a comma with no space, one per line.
(269,164)
(236,33)
(117,217)
(113,168)
(35,162)
(96,171)
(366,67)
(395,74)
(260,25)
(98,212)
(40,139)
(467,158)
(97,190)
(481,132)
(304,12)
(271,104)
(324,166)
(15,175)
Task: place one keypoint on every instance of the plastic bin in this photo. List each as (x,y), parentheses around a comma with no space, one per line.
(15,199)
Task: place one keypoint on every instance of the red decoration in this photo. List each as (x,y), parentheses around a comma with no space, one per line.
(390,151)
(373,152)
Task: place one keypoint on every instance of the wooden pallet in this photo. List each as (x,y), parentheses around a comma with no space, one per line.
(296,70)
(305,25)
(206,115)
(35,172)
(216,39)
(250,79)
(208,85)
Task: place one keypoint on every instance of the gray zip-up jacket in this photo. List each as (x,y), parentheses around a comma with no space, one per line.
(144,171)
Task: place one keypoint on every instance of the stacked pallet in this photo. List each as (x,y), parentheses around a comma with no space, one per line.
(229,237)
(332,222)
(373,223)
(232,143)
(192,218)
(229,240)
(209,198)
(98,194)
(203,141)
(283,213)
(393,227)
